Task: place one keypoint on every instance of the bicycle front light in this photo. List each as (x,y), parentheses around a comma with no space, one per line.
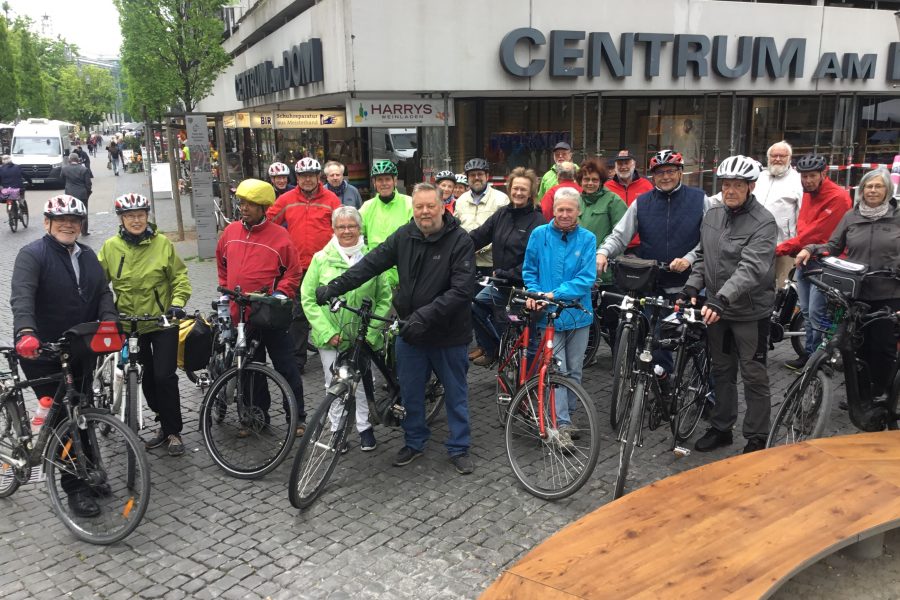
(345,373)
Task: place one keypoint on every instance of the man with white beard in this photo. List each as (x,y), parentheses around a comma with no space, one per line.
(780,191)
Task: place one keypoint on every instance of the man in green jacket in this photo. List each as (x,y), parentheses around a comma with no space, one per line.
(387,211)
(562,152)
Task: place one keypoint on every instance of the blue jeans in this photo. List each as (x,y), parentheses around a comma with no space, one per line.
(487,331)
(414,366)
(569,347)
(813,307)
(280,348)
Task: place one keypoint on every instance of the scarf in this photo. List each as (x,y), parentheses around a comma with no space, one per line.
(339,190)
(350,254)
(874,213)
(135,239)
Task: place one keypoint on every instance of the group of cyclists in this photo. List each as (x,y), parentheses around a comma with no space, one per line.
(295,242)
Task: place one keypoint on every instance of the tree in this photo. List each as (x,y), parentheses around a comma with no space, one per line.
(171,51)
(53,56)
(32,99)
(87,93)
(8,102)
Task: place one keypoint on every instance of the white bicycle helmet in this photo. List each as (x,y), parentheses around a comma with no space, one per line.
(739,167)
(445,175)
(279,169)
(130,202)
(307,165)
(64,205)
(462,179)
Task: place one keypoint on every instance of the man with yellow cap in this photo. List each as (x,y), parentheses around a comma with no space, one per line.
(259,256)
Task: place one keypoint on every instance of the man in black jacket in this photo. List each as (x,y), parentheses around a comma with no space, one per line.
(78,184)
(434,257)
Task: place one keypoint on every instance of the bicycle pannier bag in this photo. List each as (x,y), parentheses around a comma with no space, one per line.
(269,312)
(636,274)
(98,337)
(843,275)
(195,341)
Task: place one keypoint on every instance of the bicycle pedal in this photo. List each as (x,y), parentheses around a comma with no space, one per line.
(681,451)
(398,411)
(504,399)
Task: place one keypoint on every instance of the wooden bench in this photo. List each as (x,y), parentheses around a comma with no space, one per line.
(737,528)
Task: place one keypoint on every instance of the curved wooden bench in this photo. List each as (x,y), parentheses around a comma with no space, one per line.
(737,528)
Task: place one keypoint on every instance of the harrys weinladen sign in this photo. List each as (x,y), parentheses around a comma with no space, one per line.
(300,66)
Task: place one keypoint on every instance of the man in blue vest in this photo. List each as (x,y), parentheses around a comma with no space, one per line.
(668,219)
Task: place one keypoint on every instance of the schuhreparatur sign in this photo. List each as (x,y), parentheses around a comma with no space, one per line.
(300,65)
(697,55)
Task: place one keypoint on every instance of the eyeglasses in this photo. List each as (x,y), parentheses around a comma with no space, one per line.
(346,227)
(874,186)
(587,179)
(780,156)
(665,172)
(135,216)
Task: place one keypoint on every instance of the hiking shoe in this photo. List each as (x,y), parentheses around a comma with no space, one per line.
(754,444)
(564,438)
(82,505)
(463,463)
(367,441)
(574,433)
(406,456)
(798,363)
(476,352)
(158,439)
(243,432)
(712,439)
(301,429)
(485,360)
(176,447)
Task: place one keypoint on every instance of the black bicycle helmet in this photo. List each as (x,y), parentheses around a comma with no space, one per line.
(812,162)
(477,164)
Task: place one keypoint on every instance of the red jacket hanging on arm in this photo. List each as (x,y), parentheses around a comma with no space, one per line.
(820,213)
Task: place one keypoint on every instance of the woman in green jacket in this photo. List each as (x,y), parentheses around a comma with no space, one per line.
(334,332)
(601,208)
(148,277)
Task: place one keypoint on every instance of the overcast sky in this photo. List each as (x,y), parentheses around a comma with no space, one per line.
(93,25)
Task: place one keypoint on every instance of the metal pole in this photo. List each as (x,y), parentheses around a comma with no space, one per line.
(173,175)
(818,126)
(599,118)
(716,143)
(834,125)
(703,142)
(850,141)
(584,127)
(147,162)
(446,96)
(731,149)
(224,184)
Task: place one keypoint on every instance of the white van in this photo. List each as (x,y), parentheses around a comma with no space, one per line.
(393,144)
(40,147)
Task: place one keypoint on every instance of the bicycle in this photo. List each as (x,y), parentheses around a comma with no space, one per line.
(243,436)
(806,409)
(325,438)
(787,320)
(222,220)
(16,207)
(551,460)
(682,405)
(113,467)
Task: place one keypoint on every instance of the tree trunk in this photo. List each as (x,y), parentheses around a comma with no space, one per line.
(173,172)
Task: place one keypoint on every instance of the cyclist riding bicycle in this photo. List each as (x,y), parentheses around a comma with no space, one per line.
(12,177)
(278,174)
(148,277)
(58,283)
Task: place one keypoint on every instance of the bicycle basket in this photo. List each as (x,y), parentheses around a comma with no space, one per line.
(670,329)
(98,337)
(844,276)
(636,274)
(195,340)
(10,193)
(270,312)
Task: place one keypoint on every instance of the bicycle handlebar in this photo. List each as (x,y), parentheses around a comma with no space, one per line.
(487,280)
(162,320)
(663,266)
(562,304)
(340,303)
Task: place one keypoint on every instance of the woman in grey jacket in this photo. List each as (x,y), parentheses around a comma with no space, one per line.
(870,235)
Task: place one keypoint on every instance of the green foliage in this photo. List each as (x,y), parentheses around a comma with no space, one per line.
(87,93)
(32,97)
(8,102)
(171,52)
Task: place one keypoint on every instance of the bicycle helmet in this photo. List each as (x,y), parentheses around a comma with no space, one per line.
(130,202)
(256,192)
(666,157)
(384,167)
(811,162)
(307,165)
(462,179)
(445,176)
(739,167)
(64,205)
(279,169)
(477,164)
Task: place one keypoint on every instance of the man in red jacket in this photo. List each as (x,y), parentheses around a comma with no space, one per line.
(258,256)
(306,212)
(628,185)
(821,209)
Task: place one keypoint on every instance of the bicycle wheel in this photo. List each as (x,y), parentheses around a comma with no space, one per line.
(12,214)
(507,373)
(9,417)
(552,467)
(23,214)
(797,324)
(434,399)
(248,419)
(690,393)
(108,463)
(632,428)
(623,367)
(805,411)
(320,449)
(594,339)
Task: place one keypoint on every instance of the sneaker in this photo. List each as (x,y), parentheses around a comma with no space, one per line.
(345,446)
(485,360)
(82,505)
(713,439)
(798,363)
(243,432)
(301,429)
(176,446)
(367,441)
(574,433)
(463,463)
(754,444)
(158,439)
(476,352)
(564,438)
(406,456)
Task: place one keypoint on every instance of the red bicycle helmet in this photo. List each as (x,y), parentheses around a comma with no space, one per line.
(666,157)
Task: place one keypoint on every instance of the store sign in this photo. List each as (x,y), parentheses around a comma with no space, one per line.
(300,66)
(201,185)
(229,121)
(261,120)
(697,55)
(243,119)
(417,112)
(322,119)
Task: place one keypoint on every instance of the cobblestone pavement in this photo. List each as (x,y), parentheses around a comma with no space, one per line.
(416,532)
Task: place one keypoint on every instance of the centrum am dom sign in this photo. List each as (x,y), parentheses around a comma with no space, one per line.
(756,56)
(300,66)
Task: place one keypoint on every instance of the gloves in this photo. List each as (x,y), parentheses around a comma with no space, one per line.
(717,304)
(28,346)
(686,295)
(176,312)
(414,329)
(324,294)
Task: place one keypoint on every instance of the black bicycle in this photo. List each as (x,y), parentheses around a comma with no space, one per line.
(326,435)
(16,207)
(71,453)
(787,320)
